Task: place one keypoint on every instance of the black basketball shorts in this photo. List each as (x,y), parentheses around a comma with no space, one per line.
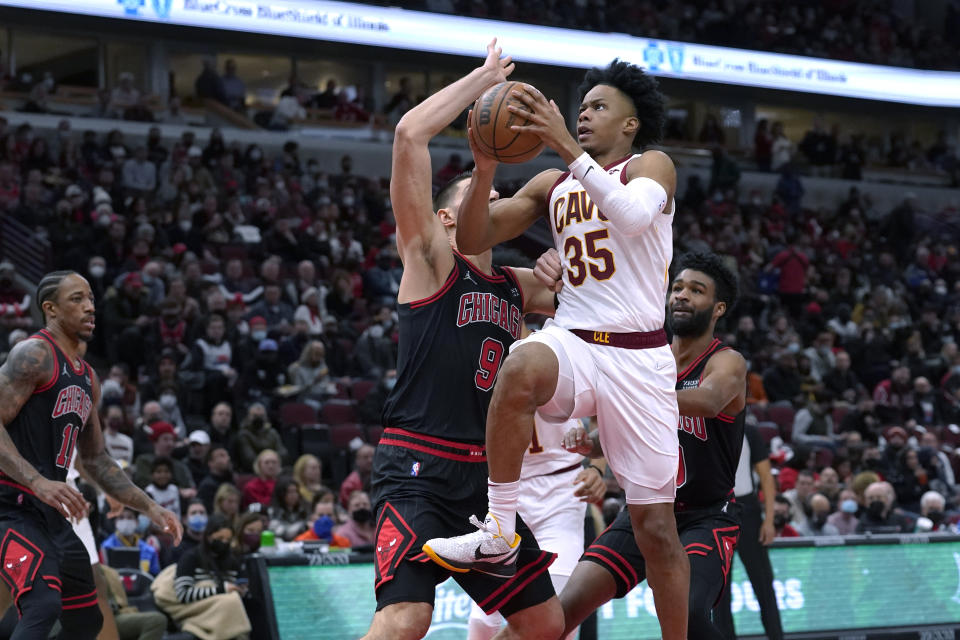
(709,536)
(429,490)
(38,551)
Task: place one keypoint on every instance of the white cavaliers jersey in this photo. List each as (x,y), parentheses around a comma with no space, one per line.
(546,453)
(610,282)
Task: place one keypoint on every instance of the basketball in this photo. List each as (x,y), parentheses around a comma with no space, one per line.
(491,124)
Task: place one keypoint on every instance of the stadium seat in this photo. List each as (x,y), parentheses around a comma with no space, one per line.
(136,584)
(768,430)
(343,391)
(824,457)
(361,388)
(342,434)
(782,415)
(338,412)
(759,412)
(297,413)
(839,413)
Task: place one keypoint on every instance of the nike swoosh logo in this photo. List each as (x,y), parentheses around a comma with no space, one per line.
(662,365)
(589,169)
(481,555)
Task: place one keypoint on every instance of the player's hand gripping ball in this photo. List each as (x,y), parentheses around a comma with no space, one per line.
(491,122)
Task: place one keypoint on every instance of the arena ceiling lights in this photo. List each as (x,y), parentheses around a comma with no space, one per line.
(419,31)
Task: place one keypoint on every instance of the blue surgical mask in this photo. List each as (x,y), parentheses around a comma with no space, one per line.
(258,335)
(849,506)
(143,523)
(197,522)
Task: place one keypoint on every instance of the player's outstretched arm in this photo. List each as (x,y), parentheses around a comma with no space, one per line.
(724,385)
(99,466)
(418,231)
(29,366)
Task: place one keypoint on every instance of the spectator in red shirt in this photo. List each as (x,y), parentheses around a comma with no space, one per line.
(792,263)
(260,489)
(359,478)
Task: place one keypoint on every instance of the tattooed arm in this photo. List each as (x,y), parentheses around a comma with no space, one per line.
(29,366)
(100,467)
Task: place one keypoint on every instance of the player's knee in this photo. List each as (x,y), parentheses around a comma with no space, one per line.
(541,622)
(527,378)
(656,537)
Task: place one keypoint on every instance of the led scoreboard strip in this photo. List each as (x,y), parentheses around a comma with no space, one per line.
(826,588)
(419,31)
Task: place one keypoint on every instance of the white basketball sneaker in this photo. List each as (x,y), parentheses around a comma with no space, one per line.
(485,550)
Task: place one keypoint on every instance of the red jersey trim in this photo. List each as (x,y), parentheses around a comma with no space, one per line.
(49,337)
(513,276)
(698,360)
(454,274)
(496,600)
(560,180)
(56,366)
(434,452)
(477,270)
(453,444)
(613,567)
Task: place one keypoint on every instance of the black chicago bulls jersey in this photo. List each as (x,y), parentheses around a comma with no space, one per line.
(451,347)
(709,447)
(49,423)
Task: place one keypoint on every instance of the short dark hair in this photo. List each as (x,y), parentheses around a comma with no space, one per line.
(640,88)
(49,286)
(161,461)
(445,193)
(725,282)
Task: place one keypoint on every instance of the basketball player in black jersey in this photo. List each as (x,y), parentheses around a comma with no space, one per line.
(458,317)
(48,401)
(711,394)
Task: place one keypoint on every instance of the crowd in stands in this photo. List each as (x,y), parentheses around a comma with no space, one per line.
(872,31)
(832,153)
(243,298)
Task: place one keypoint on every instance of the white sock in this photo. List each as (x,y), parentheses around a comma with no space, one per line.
(502,498)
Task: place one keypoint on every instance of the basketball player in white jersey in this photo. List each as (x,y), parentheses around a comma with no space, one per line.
(555,491)
(606,353)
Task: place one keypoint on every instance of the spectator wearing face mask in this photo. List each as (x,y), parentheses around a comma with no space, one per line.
(201,592)
(781,518)
(933,514)
(261,376)
(194,522)
(322,522)
(129,531)
(880,516)
(248,532)
(360,528)
(256,435)
(845,519)
(817,524)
